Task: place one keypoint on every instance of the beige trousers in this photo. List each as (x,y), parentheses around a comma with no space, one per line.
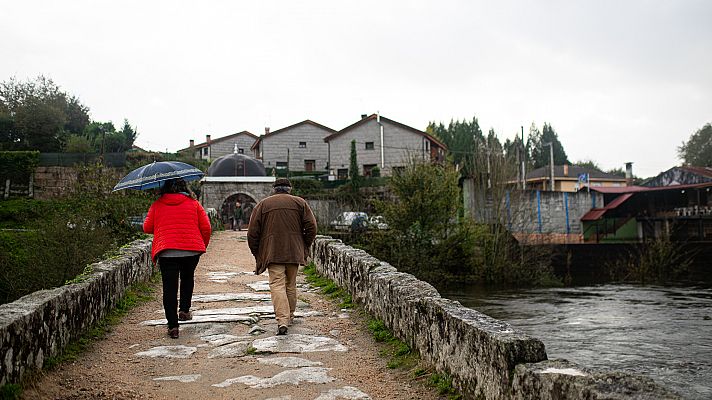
(283,289)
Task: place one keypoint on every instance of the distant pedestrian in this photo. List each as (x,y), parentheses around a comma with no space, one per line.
(181,233)
(237,217)
(281,230)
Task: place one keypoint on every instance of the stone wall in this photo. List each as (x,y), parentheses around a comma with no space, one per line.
(50,182)
(487,358)
(532,211)
(53,182)
(38,326)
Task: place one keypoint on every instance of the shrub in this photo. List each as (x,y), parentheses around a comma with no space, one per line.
(51,242)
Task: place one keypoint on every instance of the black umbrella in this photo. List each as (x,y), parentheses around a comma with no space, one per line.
(153,175)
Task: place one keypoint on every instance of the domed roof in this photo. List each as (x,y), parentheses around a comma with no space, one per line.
(236,165)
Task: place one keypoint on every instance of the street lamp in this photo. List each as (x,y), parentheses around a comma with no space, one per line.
(551,162)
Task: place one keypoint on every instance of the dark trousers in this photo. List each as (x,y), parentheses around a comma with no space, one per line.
(174,269)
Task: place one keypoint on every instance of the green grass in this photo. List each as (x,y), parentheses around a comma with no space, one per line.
(443,384)
(398,354)
(328,287)
(11,391)
(136,295)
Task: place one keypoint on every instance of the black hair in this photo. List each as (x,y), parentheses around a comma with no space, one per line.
(176,186)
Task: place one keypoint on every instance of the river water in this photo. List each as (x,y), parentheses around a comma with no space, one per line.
(664,333)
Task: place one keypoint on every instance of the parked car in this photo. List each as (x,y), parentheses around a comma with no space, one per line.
(350,221)
(377,222)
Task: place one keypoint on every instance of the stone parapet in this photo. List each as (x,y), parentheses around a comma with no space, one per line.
(38,326)
(487,358)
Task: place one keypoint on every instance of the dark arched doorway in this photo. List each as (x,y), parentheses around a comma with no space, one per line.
(227,210)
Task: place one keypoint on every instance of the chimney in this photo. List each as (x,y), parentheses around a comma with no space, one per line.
(629,173)
(192,143)
(364,116)
(266,130)
(566,169)
(207,139)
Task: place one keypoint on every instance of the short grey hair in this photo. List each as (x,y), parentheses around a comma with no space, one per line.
(282,189)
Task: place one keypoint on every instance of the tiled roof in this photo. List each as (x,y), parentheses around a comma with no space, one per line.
(703,171)
(307,121)
(204,144)
(373,117)
(574,172)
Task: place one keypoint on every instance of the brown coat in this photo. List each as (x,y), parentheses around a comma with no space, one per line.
(282,227)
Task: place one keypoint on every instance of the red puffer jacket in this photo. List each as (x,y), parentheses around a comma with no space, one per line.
(177,222)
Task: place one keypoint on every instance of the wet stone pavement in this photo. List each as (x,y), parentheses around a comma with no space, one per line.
(229,349)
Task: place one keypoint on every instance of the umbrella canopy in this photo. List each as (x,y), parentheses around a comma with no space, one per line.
(153,175)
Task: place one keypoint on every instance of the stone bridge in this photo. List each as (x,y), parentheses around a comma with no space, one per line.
(486,358)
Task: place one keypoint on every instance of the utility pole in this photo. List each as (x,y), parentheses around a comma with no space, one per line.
(380,125)
(551,163)
(524,162)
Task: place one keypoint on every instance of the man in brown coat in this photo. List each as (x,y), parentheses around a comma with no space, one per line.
(282,227)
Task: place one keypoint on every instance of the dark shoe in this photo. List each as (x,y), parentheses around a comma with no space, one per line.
(185,315)
(173,332)
(282,330)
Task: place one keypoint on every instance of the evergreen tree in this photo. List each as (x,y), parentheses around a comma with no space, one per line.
(353,167)
(462,139)
(539,150)
(590,164)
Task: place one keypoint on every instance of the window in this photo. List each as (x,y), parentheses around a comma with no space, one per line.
(369,145)
(240,151)
(342,173)
(367,169)
(281,164)
(205,151)
(302,145)
(309,165)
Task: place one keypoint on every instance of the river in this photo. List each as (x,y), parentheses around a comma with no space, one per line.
(664,333)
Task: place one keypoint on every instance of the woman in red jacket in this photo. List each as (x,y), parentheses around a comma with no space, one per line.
(181,233)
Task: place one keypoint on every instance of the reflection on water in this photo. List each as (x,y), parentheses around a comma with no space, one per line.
(663,333)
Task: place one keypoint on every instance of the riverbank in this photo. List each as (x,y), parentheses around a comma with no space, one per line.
(328,352)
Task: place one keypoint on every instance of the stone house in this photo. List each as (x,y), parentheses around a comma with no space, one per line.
(382,143)
(211,149)
(298,147)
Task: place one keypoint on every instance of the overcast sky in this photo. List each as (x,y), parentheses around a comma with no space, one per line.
(618,80)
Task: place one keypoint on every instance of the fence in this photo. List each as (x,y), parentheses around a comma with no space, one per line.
(71,159)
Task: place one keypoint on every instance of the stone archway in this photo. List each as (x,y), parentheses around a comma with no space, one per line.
(217,191)
(227,209)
